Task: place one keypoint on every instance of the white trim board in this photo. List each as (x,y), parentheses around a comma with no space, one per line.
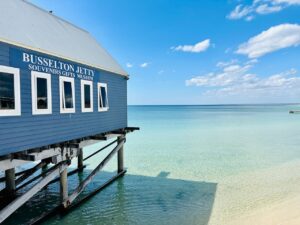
(63,109)
(35,110)
(83,108)
(17,91)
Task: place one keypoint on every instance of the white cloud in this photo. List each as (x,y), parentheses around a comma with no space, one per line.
(266,9)
(226,63)
(236,81)
(129,65)
(144,65)
(260,7)
(239,12)
(275,38)
(161,72)
(289,2)
(199,47)
(228,75)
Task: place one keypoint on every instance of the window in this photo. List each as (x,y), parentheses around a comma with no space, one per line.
(41,93)
(102,97)
(87,96)
(10,102)
(67,95)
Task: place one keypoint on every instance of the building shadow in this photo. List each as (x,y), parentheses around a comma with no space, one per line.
(131,200)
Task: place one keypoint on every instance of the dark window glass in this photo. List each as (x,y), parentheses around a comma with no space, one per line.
(42,96)
(87,96)
(68,95)
(100,99)
(7,93)
(103,97)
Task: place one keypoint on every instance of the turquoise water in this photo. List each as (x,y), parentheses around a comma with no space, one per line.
(188,165)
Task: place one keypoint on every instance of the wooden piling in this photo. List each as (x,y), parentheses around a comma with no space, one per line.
(64,185)
(80,160)
(10,179)
(45,166)
(121,155)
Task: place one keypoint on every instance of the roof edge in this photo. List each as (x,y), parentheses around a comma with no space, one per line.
(60,56)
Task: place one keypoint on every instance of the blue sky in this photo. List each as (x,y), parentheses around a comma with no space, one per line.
(197,52)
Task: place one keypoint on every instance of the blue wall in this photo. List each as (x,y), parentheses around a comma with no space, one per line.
(18,133)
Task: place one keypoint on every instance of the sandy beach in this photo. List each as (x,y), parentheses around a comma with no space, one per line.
(272,198)
(284,213)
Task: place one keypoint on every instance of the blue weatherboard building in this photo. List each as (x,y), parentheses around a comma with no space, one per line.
(56,82)
(60,91)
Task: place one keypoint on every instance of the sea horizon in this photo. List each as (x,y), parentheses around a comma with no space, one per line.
(225,104)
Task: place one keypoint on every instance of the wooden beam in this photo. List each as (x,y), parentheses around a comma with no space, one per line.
(7,164)
(46,215)
(87,180)
(2,179)
(12,163)
(101,149)
(69,174)
(23,156)
(87,197)
(28,173)
(18,202)
(132,128)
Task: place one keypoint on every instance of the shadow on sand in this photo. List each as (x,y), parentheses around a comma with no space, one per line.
(133,199)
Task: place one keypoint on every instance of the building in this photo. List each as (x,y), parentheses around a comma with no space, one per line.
(59,91)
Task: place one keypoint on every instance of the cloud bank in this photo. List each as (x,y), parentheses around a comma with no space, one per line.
(236,80)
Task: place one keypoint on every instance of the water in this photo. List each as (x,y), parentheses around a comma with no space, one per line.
(190,165)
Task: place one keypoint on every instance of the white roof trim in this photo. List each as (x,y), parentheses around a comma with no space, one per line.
(25,25)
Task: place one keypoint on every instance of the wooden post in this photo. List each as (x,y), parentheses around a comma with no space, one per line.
(80,160)
(18,202)
(121,155)
(10,178)
(45,166)
(64,185)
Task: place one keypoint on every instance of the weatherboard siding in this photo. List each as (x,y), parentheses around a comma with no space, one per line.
(28,131)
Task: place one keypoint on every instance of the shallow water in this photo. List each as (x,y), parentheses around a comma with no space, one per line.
(189,165)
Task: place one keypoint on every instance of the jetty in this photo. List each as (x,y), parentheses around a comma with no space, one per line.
(60,91)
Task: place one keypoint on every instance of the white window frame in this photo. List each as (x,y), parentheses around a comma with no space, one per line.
(90,83)
(62,79)
(103,109)
(35,110)
(17,91)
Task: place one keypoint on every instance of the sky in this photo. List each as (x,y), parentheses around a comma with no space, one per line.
(197,52)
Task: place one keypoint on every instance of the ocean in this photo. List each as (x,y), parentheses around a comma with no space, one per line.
(190,165)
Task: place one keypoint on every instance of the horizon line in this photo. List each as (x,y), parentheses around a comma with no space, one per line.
(225,104)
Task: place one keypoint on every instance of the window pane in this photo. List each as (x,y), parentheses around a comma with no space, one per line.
(42,97)
(100,99)
(68,95)
(87,96)
(103,95)
(7,94)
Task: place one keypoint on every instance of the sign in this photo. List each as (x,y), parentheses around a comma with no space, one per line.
(56,67)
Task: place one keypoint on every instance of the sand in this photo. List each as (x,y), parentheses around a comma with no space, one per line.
(264,197)
(284,213)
